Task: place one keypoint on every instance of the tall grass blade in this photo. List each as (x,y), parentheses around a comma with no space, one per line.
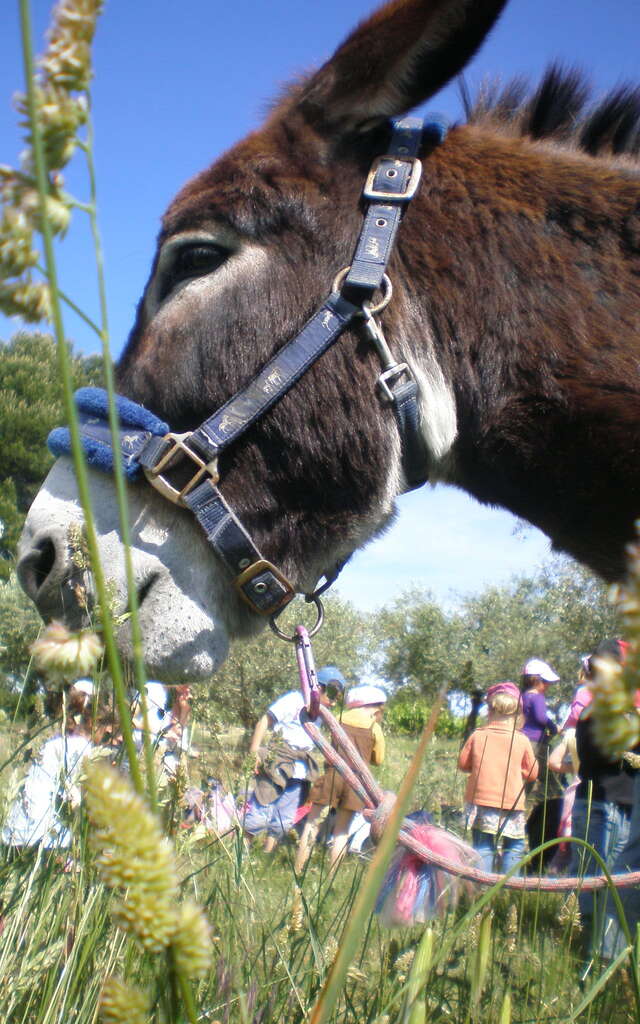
(366,898)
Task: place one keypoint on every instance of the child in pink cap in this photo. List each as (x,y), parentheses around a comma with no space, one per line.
(500,760)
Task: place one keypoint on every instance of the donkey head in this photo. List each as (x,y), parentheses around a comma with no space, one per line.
(247,251)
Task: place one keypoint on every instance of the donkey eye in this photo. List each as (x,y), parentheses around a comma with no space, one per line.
(190,261)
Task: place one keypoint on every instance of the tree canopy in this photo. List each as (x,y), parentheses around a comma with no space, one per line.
(558,614)
(31,404)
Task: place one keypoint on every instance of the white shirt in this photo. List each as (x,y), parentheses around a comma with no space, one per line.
(158,717)
(33,817)
(286,713)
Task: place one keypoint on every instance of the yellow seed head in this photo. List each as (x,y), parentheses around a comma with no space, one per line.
(481,958)
(192,942)
(16,251)
(58,653)
(122,1004)
(28,300)
(133,856)
(67,61)
(58,212)
(616,725)
(60,115)
(403,965)
(330,951)
(357,977)
(511,928)
(570,912)
(297,912)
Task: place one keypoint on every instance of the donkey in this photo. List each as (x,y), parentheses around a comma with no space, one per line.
(516,293)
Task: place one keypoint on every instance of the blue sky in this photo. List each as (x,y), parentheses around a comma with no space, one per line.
(177,84)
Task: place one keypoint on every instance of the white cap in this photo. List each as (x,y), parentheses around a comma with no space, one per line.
(156,694)
(536,667)
(84,686)
(361,696)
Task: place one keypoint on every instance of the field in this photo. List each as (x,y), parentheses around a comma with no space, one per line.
(274,938)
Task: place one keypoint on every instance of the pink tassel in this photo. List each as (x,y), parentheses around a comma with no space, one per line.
(414,891)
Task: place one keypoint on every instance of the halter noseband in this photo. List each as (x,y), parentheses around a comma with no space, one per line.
(147,444)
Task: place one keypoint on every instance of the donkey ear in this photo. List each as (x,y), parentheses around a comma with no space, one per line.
(397,58)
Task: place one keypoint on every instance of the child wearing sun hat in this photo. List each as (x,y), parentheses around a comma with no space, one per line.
(360,719)
(499,760)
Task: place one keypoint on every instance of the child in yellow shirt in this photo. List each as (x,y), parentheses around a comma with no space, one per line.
(364,706)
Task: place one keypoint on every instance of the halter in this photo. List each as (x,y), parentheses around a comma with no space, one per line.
(183,468)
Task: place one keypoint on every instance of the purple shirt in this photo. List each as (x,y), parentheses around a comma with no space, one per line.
(536,719)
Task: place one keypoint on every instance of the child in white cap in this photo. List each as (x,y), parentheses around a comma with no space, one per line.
(364,708)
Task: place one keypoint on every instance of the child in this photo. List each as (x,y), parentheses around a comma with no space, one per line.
(500,760)
(34,815)
(364,707)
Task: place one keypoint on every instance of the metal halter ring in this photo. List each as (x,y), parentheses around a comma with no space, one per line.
(312,632)
(386,286)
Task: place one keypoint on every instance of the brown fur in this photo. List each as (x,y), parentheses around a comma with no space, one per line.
(517,266)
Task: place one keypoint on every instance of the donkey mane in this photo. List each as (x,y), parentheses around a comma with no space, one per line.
(560,109)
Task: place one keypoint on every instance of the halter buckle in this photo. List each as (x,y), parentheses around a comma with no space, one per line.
(258,568)
(177,451)
(390,374)
(410,189)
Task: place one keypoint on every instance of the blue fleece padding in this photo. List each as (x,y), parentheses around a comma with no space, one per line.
(136,424)
(98,456)
(93,401)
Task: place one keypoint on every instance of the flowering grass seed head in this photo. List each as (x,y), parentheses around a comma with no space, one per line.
(616,725)
(16,250)
(122,1004)
(511,928)
(192,942)
(402,965)
(296,917)
(133,856)
(61,654)
(31,301)
(67,61)
(57,212)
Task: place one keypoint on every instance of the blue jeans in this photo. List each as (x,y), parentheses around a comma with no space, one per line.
(485,843)
(628,859)
(277,817)
(605,826)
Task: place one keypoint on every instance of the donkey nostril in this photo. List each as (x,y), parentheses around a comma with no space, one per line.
(45,561)
(145,589)
(35,567)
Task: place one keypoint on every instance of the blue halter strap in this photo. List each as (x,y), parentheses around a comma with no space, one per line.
(147,445)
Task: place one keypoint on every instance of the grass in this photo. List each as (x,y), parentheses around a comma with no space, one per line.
(274,941)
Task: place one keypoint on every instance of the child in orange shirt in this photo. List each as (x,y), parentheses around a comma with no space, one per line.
(499,759)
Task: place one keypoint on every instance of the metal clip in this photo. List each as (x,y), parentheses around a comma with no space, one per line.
(179,450)
(391,374)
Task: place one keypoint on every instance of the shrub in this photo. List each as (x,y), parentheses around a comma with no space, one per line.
(409,717)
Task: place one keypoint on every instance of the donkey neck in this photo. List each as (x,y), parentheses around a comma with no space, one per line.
(528,261)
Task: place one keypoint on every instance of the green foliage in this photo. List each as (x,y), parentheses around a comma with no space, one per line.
(259,670)
(30,406)
(19,625)
(558,614)
(408,713)
(417,643)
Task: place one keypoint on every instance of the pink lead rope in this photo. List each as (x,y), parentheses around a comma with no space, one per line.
(347,761)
